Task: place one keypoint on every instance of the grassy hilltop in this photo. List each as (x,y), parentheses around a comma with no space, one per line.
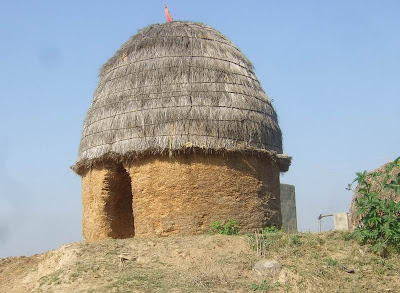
(206,263)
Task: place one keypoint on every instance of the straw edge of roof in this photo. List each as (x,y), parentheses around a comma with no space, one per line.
(84,165)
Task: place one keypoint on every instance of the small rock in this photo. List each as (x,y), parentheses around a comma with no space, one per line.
(346,269)
(283,276)
(267,267)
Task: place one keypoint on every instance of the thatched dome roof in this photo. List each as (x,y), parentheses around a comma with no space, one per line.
(174,87)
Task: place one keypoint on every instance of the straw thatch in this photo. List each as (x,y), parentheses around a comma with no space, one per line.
(178,87)
(376,187)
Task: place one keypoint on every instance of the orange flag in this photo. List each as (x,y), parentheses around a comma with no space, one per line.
(169,18)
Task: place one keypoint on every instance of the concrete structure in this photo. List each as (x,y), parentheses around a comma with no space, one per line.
(288,207)
(341,221)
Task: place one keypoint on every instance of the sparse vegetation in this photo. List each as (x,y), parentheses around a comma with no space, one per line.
(331,262)
(311,262)
(264,286)
(271,229)
(269,237)
(379,217)
(51,279)
(231,227)
(261,242)
(295,240)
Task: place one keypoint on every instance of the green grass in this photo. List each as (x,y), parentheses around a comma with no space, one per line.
(263,286)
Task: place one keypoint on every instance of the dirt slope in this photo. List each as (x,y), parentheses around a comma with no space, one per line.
(310,263)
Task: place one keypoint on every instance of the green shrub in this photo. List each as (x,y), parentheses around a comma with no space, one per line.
(331,262)
(231,227)
(295,240)
(271,229)
(379,217)
(216,227)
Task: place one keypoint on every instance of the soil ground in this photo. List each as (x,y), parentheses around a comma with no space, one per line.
(206,263)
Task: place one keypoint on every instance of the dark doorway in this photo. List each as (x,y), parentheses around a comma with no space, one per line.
(118,205)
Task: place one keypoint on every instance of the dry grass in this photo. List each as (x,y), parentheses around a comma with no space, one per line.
(311,263)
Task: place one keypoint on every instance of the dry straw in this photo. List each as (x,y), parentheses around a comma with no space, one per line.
(178,87)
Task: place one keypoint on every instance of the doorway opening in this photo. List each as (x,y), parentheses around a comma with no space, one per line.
(118,204)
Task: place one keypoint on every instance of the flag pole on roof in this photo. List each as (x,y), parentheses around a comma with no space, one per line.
(167,15)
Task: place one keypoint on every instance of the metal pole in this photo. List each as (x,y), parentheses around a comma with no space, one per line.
(320,218)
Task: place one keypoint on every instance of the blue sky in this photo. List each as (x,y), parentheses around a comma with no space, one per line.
(331,67)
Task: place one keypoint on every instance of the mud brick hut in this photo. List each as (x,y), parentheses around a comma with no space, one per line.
(179,134)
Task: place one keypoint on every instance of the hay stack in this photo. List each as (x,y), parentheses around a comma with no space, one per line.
(179,101)
(376,187)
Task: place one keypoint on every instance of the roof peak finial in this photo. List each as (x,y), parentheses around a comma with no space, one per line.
(167,15)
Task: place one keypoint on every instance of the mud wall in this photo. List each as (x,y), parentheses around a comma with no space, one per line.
(184,195)
(107,204)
